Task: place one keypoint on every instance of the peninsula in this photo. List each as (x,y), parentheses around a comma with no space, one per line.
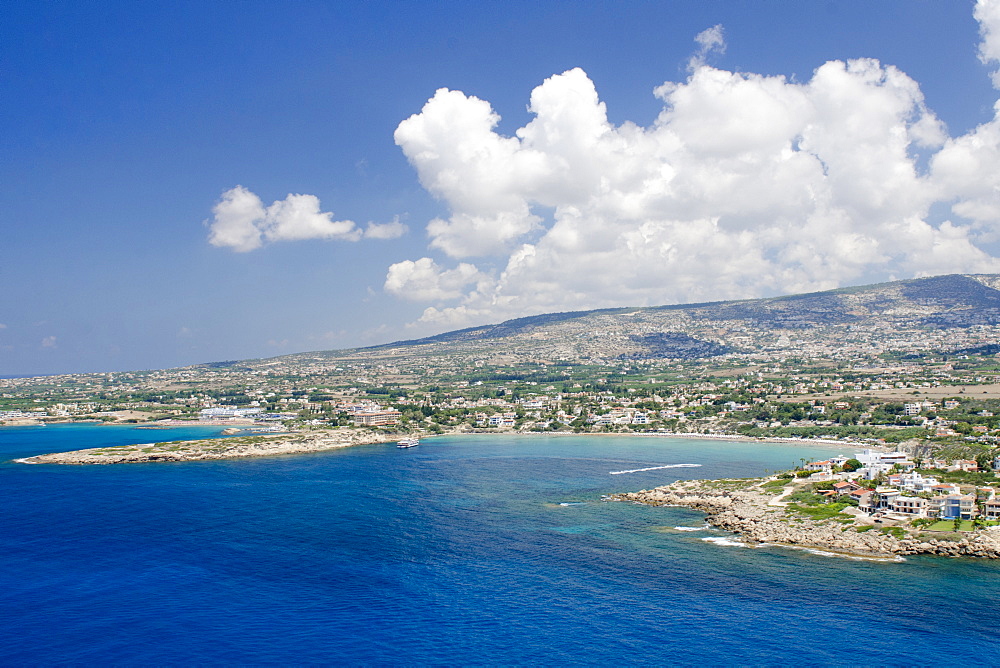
(777,511)
(216,448)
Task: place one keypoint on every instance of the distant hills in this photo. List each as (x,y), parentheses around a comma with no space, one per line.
(934,313)
(902,327)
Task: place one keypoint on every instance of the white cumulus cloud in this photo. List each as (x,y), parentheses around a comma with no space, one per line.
(987,13)
(391,230)
(424,280)
(242,222)
(709,41)
(745,184)
(967,170)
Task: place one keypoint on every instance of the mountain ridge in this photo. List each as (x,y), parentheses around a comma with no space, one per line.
(707,329)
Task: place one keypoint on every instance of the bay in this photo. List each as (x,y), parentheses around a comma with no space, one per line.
(479,550)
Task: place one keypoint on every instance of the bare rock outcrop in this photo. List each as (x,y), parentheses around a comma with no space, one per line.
(742,507)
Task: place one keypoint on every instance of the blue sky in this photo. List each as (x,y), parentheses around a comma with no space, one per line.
(127,127)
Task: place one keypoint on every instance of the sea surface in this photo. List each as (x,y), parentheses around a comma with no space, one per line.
(479,550)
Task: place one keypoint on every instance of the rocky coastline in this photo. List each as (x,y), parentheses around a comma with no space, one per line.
(218,448)
(757,514)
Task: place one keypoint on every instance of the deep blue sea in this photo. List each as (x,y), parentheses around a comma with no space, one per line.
(483,550)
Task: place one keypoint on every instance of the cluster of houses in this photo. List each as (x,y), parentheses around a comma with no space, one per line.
(619,416)
(20,415)
(496,419)
(362,414)
(906,493)
(941,426)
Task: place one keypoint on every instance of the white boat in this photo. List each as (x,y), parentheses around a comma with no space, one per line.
(408,442)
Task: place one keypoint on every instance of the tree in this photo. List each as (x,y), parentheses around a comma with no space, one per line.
(963,428)
(852,465)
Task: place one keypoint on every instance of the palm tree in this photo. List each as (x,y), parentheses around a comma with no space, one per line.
(875,500)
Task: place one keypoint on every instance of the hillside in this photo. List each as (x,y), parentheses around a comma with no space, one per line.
(941,314)
(902,325)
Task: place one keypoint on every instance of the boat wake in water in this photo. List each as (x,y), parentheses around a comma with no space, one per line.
(656,468)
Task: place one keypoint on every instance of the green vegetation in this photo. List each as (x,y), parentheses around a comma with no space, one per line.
(851,465)
(807,496)
(829,511)
(981,478)
(731,483)
(950,525)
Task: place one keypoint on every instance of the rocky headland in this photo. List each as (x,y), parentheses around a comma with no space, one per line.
(756,513)
(217,448)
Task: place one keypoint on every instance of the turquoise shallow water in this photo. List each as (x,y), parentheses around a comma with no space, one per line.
(484,550)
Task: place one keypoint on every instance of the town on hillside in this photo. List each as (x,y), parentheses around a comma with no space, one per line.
(945,407)
(911,365)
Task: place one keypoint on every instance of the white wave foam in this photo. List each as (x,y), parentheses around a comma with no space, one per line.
(571,503)
(702,528)
(656,468)
(725,540)
(840,555)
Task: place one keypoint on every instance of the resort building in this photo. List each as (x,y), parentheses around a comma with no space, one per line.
(909,505)
(991,509)
(376,418)
(228,413)
(877,463)
(957,506)
(913,482)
